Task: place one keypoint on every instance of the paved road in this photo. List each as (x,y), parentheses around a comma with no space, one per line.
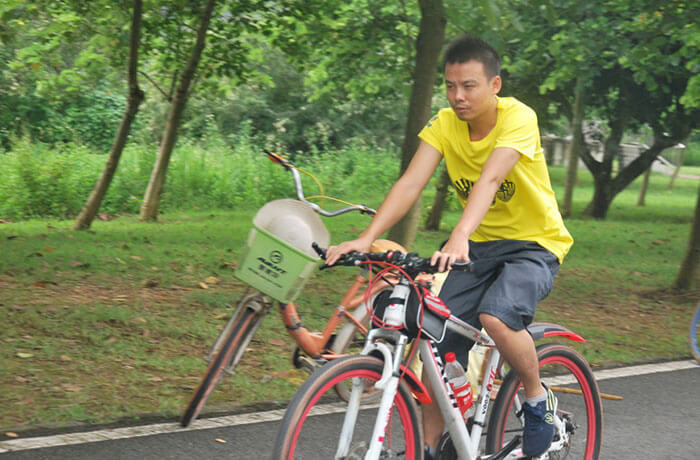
(659,418)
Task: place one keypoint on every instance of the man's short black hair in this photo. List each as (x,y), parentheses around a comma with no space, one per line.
(466,48)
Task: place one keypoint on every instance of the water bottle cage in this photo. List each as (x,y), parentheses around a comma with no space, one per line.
(405,314)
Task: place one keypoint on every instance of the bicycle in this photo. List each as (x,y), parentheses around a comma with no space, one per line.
(693,337)
(313,348)
(394,430)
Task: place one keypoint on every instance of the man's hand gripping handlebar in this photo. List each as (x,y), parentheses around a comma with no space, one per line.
(411,263)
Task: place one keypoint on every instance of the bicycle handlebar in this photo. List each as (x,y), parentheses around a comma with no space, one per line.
(411,263)
(300,191)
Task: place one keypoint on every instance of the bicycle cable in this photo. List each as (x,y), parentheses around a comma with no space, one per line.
(388,267)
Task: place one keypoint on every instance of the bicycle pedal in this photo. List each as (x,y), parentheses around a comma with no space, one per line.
(304,362)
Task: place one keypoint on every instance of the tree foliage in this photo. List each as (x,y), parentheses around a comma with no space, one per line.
(638,61)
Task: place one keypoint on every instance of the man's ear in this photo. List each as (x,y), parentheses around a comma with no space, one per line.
(496,84)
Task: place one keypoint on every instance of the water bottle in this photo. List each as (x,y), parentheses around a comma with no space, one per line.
(394,313)
(459,383)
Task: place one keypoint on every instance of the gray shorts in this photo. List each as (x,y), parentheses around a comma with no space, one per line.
(509,279)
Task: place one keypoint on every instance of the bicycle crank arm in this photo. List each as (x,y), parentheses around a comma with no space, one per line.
(503,453)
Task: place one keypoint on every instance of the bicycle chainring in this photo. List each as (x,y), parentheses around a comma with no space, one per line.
(359,450)
(445,449)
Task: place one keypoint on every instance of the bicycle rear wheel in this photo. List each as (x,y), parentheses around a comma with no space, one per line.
(693,337)
(570,378)
(231,345)
(313,422)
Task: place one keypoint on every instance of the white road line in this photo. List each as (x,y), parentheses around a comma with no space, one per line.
(268,416)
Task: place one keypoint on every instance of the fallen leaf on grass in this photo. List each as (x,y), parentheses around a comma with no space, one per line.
(212,280)
(44,283)
(24,355)
(11,434)
(71,388)
(66,358)
(151,283)
(203,285)
(277,342)
(155,379)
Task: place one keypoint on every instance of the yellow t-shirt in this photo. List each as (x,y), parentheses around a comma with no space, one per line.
(524,207)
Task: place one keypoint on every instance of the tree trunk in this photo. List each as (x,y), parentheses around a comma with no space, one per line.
(602,177)
(151,200)
(688,273)
(641,201)
(441,190)
(572,155)
(134,99)
(428,46)
(607,188)
(677,169)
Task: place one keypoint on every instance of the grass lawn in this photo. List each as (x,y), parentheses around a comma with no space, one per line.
(112,323)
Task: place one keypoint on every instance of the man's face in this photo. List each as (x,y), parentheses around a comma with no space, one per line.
(469,91)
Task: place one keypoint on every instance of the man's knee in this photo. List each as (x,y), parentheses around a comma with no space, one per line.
(492,324)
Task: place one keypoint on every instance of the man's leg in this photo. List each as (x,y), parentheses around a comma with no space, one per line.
(518,348)
(433,424)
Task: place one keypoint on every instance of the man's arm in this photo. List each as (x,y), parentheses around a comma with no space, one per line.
(499,164)
(398,201)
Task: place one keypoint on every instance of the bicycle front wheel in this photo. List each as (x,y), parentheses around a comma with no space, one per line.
(316,418)
(568,375)
(231,345)
(694,331)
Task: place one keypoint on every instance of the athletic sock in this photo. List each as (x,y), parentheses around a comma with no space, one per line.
(536,399)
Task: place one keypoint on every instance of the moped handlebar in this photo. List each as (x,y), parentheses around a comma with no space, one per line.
(289,166)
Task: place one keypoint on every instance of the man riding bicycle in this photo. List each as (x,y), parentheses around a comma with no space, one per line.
(510,226)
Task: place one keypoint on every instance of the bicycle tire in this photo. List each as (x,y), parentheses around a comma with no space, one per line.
(693,336)
(299,436)
(229,353)
(583,412)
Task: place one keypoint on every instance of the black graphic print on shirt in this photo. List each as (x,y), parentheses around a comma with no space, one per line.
(504,193)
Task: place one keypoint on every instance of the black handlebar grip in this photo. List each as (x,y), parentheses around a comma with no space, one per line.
(319,250)
(463,266)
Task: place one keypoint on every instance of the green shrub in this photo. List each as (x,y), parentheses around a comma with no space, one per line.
(40,181)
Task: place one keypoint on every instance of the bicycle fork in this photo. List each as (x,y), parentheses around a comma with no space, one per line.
(388,384)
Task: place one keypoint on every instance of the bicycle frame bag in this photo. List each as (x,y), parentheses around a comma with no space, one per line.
(430,321)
